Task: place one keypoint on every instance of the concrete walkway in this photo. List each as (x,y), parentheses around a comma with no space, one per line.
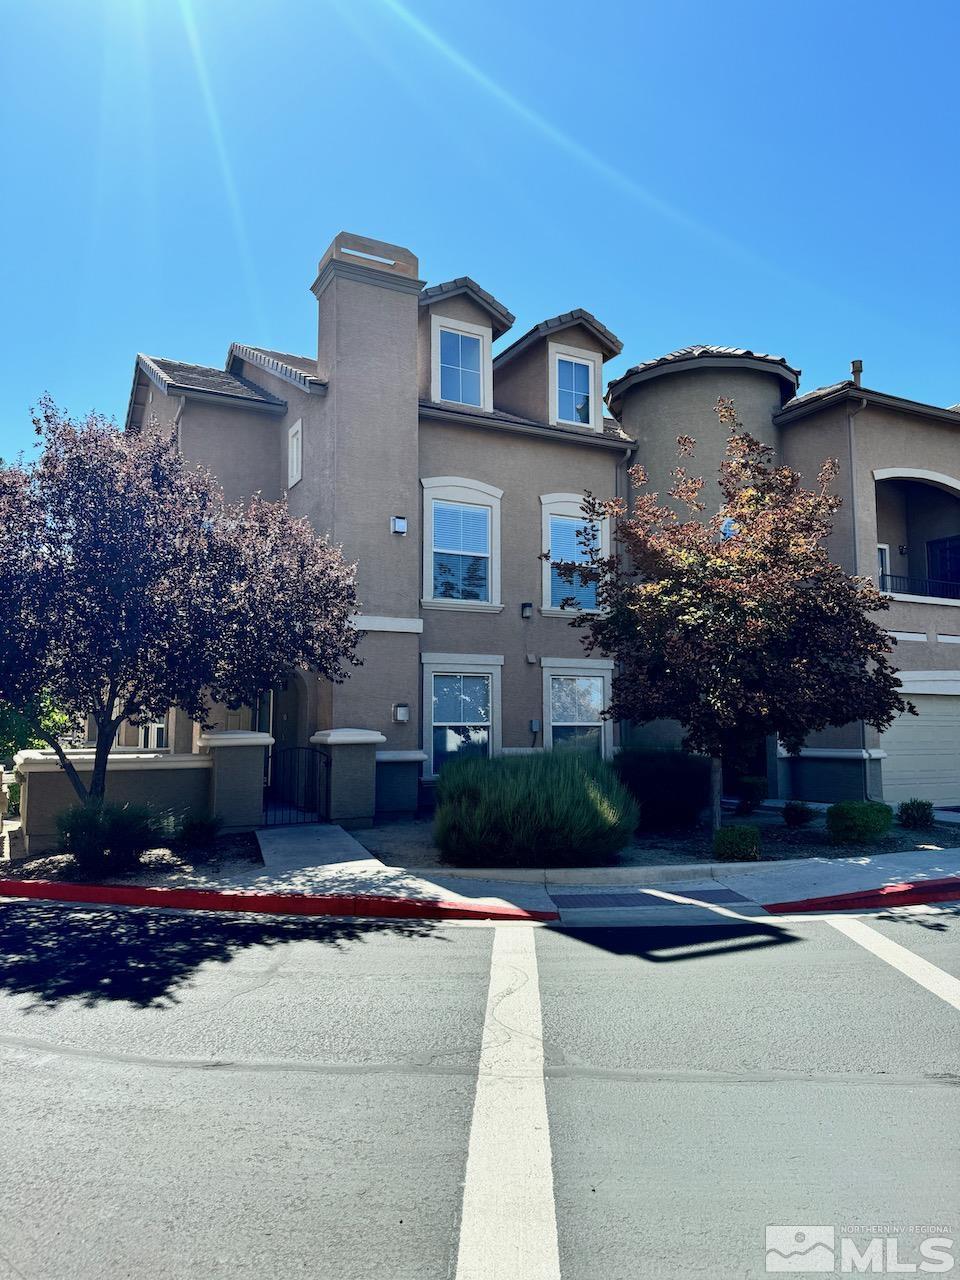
(325,859)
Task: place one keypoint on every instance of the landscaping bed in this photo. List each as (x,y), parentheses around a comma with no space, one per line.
(162,867)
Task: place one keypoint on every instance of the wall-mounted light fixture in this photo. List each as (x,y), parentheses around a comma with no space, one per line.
(398,524)
(526,609)
(401,712)
(903,549)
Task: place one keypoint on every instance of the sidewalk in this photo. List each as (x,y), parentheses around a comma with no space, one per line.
(322,870)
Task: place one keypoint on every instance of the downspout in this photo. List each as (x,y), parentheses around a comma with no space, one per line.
(856,367)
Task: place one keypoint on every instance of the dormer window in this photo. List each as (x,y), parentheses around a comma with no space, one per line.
(575,387)
(573,391)
(461,364)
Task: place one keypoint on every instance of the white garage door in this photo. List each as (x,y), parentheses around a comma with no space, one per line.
(923,752)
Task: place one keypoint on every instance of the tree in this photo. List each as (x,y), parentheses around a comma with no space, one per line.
(736,624)
(128,586)
(16,733)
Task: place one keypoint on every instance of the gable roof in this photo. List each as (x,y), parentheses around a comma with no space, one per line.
(299,370)
(197,382)
(703,355)
(501,317)
(609,342)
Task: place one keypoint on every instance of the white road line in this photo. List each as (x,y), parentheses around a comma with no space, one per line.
(921,971)
(508,1228)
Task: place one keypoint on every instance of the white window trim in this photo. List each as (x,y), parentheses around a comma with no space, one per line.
(150,731)
(460,664)
(557,351)
(570,505)
(577,667)
(485,334)
(883,546)
(295,454)
(474,493)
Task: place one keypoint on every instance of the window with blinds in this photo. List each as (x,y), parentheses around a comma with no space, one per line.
(461,551)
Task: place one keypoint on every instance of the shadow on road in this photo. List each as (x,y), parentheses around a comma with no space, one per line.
(95,956)
(682,942)
(938,923)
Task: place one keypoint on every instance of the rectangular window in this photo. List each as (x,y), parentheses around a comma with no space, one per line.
(461,717)
(883,563)
(575,706)
(567,543)
(461,551)
(295,454)
(153,736)
(943,560)
(573,391)
(460,367)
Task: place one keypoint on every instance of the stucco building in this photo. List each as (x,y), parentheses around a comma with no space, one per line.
(447,469)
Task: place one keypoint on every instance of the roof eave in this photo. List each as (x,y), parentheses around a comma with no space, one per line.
(312,385)
(620,386)
(503,318)
(597,439)
(879,398)
(610,343)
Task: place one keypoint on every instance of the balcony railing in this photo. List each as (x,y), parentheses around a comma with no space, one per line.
(933,588)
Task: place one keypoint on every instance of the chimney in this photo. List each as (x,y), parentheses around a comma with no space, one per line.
(856,369)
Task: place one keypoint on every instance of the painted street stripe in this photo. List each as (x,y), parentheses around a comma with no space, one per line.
(508,1227)
(921,971)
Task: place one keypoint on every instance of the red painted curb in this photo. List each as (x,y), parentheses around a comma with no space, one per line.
(907,893)
(291,904)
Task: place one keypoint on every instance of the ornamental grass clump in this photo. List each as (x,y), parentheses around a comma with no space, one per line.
(562,808)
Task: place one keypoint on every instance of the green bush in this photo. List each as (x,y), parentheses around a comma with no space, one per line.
(751,792)
(199,833)
(550,809)
(858,821)
(108,838)
(737,844)
(672,788)
(798,814)
(13,799)
(915,814)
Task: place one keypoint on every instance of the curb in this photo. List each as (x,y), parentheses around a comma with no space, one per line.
(293,904)
(907,893)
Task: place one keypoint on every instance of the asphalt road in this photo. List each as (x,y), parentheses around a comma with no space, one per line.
(191,1096)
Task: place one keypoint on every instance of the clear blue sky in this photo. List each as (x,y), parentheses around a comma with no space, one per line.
(777,176)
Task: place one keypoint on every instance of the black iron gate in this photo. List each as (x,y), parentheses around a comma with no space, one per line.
(295,787)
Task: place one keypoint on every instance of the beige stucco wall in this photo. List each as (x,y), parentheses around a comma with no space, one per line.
(522,384)
(240,447)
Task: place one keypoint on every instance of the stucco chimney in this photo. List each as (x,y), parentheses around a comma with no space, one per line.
(856,369)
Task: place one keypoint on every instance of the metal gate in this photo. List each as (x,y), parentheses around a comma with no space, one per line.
(295,789)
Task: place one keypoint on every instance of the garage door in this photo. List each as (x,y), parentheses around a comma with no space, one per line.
(923,752)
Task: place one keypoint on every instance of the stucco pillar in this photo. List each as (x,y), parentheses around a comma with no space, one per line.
(351,773)
(236,779)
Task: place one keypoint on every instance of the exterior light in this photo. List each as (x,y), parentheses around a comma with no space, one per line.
(526,609)
(398,524)
(401,712)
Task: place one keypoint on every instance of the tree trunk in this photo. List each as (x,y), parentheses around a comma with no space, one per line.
(716,792)
(106,736)
(66,764)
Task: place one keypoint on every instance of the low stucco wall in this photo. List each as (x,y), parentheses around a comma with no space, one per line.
(178,784)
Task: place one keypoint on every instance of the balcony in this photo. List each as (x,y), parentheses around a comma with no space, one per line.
(931,588)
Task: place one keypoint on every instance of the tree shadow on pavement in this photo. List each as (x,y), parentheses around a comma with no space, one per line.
(96,956)
(669,944)
(938,923)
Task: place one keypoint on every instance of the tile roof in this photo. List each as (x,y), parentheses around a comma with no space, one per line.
(607,339)
(176,375)
(300,370)
(689,355)
(818,393)
(463,284)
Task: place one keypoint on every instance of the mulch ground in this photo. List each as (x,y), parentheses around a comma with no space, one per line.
(157,866)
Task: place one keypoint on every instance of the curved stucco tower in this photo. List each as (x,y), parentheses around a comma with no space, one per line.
(675,394)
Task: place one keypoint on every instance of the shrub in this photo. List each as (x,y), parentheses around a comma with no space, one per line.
(915,814)
(857,821)
(737,844)
(798,814)
(672,788)
(751,792)
(110,837)
(199,833)
(549,809)
(13,799)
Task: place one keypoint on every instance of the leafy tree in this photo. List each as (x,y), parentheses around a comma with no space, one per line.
(16,733)
(128,586)
(736,624)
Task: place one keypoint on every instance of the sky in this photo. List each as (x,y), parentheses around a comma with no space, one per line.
(779,177)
